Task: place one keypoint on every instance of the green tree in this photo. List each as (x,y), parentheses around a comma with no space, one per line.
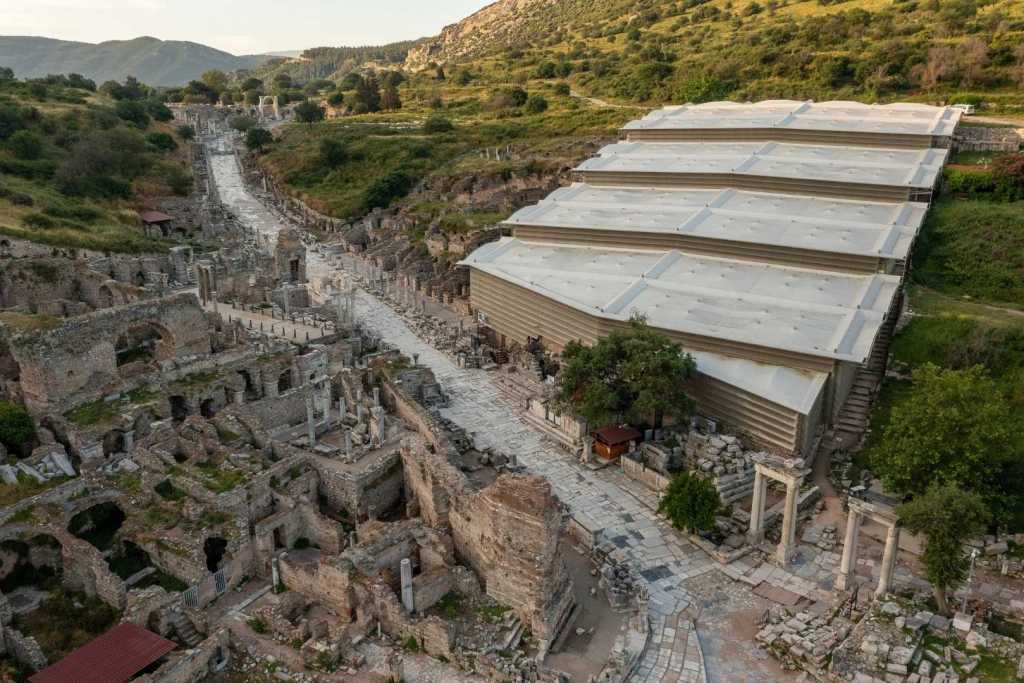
(241,122)
(309,112)
(17,431)
(690,502)
(385,190)
(367,97)
(258,138)
(946,516)
(390,100)
(215,79)
(185,132)
(634,375)
(251,84)
(955,427)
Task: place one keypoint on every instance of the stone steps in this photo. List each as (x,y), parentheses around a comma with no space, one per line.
(184,628)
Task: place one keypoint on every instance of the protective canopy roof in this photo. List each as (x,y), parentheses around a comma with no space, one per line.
(880,229)
(912,168)
(851,117)
(819,313)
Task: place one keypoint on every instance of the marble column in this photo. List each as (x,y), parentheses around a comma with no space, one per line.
(888,566)
(848,565)
(407,597)
(787,542)
(310,421)
(756,533)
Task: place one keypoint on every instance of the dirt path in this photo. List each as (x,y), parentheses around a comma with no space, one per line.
(597,102)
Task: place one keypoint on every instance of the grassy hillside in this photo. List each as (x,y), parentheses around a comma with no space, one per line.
(695,50)
(153,61)
(75,166)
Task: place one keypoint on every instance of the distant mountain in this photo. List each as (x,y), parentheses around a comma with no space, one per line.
(152,61)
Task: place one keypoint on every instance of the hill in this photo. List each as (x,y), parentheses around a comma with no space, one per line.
(77,166)
(152,61)
(694,50)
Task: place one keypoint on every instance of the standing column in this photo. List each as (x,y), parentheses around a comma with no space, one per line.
(848,564)
(310,420)
(787,542)
(756,534)
(407,601)
(888,567)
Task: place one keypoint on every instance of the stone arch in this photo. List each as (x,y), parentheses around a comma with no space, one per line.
(98,524)
(144,341)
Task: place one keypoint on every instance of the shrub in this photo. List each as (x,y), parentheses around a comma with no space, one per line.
(185,132)
(383,191)
(242,123)
(132,112)
(690,502)
(333,152)
(257,624)
(1008,173)
(973,184)
(17,431)
(38,220)
(162,141)
(562,89)
(536,104)
(25,145)
(437,124)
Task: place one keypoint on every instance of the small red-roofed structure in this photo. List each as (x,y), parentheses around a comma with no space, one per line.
(114,657)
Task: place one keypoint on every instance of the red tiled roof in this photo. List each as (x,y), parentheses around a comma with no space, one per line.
(613,436)
(154,217)
(113,657)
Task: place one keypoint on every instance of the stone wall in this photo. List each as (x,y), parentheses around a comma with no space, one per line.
(76,361)
(508,532)
(353,490)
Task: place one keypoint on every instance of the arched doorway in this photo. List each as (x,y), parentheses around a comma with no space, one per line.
(215,549)
(146,342)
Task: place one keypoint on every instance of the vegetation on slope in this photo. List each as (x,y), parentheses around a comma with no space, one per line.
(76,163)
(699,50)
(346,167)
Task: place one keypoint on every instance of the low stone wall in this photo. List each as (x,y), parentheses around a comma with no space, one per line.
(196,663)
(651,478)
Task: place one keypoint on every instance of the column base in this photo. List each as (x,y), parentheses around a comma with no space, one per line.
(844,582)
(755,537)
(784,553)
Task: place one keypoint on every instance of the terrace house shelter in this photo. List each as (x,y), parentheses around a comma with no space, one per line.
(769,239)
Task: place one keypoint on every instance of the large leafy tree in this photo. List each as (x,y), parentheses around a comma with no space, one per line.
(946,516)
(309,111)
(956,427)
(634,375)
(690,502)
(257,138)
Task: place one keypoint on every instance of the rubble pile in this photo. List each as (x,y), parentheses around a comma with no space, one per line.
(901,643)
(802,640)
(722,457)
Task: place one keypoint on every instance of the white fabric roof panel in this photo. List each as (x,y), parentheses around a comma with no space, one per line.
(793,389)
(835,163)
(833,315)
(855,117)
(881,229)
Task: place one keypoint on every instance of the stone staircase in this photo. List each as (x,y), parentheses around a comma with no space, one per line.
(852,421)
(184,628)
(734,487)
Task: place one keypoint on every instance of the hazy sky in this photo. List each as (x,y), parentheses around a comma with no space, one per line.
(251,26)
